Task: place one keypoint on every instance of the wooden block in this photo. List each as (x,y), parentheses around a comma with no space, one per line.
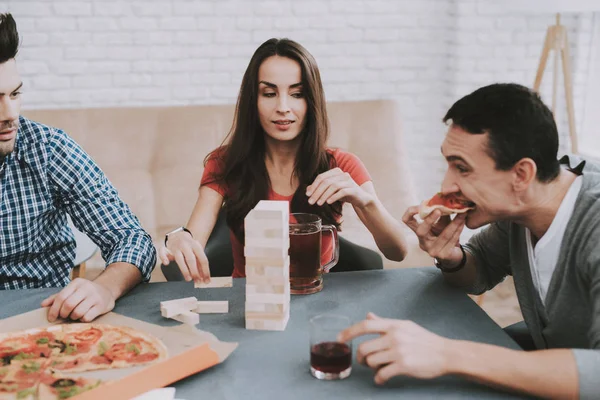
(253,279)
(212,307)
(216,282)
(169,308)
(253,225)
(267,289)
(281,298)
(257,241)
(273,205)
(267,252)
(188,317)
(281,274)
(267,324)
(261,315)
(278,215)
(267,231)
(278,262)
(266,308)
(274,214)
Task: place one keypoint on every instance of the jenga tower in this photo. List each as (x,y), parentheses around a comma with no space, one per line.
(267,266)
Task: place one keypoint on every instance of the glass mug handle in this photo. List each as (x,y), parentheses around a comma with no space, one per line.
(336,247)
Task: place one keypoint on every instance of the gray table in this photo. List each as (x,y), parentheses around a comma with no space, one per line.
(275,364)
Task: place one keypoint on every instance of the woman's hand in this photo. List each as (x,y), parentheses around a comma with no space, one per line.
(337,185)
(189,255)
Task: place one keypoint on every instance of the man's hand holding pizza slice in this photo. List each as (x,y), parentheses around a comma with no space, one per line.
(438,234)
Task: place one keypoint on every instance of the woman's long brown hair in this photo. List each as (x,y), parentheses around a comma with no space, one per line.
(241,159)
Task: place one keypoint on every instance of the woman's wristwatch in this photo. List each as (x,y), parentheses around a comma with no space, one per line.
(460,266)
(181,228)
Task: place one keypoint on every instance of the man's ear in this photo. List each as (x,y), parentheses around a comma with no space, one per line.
(524,173)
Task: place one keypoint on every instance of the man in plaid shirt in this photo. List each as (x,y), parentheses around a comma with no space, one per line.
(45,175)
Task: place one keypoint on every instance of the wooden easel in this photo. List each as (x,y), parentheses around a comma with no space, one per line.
(556,39)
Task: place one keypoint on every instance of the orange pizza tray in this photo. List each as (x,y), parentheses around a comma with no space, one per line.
(190,351)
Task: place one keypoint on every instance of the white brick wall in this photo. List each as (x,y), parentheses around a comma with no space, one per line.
(425,53)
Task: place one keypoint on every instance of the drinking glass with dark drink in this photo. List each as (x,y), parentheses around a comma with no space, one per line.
(305,253)
(329,359)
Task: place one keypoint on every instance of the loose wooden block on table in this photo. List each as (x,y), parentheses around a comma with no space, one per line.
(188,317)
(216,282)
(212,307)
(170,308)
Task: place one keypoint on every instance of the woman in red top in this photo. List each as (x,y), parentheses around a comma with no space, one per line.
(276,150)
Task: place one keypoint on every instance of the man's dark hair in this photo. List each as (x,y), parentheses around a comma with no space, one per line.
(518,125)
(9,38)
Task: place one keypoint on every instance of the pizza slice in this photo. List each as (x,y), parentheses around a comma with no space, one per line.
(447,203)
(31,344)
(18,390)
(20,379)
(53,387)
(126,347)
(95,346)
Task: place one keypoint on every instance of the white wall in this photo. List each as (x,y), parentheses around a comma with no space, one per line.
(425,53)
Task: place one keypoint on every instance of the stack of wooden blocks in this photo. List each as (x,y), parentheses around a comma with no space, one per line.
(267,266)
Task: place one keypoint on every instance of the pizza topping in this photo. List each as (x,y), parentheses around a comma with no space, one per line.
(90,335)
(42,337)
(66,388)
(31,367)
(23,356)
(121,351)
(134,348)
(63,383)
(102,347)
(66,393)
(449,200)
(100,360)
(8,387)
(70,349)
(58,344)
(145,357)
(23,394)
(66,364)
(14,386)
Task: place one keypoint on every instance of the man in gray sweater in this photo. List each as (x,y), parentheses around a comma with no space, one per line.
(544,230)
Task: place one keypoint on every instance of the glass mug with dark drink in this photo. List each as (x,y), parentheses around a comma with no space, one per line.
(306,271)
(329,359)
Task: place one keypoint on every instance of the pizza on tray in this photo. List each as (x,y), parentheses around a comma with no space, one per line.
(447,203)
(33,362)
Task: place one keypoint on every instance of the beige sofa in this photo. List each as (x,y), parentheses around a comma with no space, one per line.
(154,156)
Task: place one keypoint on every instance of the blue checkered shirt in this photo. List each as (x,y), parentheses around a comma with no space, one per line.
(46,177)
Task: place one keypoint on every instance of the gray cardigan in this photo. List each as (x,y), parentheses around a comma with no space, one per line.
(571,317)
